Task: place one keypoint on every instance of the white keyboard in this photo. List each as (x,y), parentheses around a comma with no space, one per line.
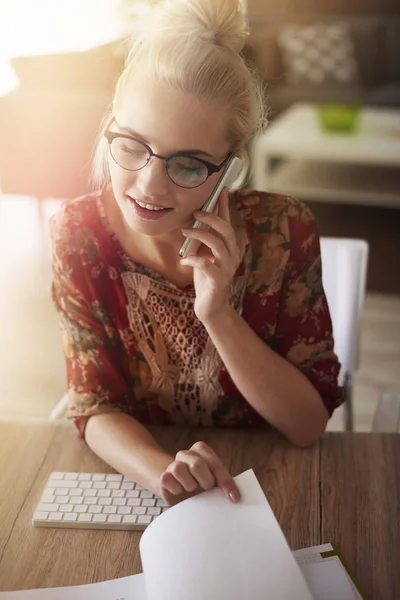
(96,501)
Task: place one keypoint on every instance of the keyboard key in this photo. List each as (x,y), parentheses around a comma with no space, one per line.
(144,519)
(55,516)
(80,508)
(71,476)
(86,518)
(66,508)
(76,499)
(95,508)
(109,510)
(85,484)
(90,492)
(63,484)
(149,502)
(114,518)
(146,494)
(70,517)
(118,494)
(133,502)
(99,485)
(99,518)
(138,510)
(48,507)
(57,475)
(124,510)
(61,491)
(104,493)
(132,494)
(127,485)
(90,500)
(161,502)
(98,477)
(104,501)
(75,492)
(113,477)
(47,497)
(154,511)
(40,514)
(61,499)
(113,485)
(84,477)
(129,519)
(119,501)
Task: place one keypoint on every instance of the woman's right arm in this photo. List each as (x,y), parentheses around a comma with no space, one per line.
(127,446)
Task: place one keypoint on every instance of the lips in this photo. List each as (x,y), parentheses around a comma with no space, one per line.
(146,213)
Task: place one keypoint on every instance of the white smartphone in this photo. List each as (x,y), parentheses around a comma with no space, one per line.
(229,175)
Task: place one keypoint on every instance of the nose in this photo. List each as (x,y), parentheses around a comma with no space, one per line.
(152,180)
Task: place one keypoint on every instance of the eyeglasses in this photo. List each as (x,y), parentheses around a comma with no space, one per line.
(183,169)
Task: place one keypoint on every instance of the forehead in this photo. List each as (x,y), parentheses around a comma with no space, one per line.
(171,120)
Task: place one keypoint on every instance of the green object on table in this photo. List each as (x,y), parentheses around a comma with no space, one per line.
(338,118)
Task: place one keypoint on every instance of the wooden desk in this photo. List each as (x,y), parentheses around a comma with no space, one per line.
(345,490)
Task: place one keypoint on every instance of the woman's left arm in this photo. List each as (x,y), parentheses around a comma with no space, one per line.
(283,386)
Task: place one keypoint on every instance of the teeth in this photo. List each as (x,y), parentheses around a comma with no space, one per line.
(148,206)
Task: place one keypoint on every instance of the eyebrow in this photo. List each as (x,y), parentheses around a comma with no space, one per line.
(135,134)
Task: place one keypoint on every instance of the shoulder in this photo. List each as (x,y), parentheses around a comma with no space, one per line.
(263,210)
(281,231)
(76,220)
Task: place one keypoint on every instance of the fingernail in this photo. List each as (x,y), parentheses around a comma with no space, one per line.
(234,496)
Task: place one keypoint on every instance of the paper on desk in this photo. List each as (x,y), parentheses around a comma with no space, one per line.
(126,588)
(328,580)
(208,547)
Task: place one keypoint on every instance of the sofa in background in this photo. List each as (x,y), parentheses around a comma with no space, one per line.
(375,44)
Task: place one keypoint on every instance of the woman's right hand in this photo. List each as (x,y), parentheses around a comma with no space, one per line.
(193,471)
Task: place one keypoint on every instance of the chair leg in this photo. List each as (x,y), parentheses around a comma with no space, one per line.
(348,403)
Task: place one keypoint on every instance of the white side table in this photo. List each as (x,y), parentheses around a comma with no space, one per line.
(357,168)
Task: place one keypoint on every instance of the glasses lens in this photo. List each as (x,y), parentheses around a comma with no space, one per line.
(129,154)
(186,172)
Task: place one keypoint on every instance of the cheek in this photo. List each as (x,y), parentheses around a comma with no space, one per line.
(198,196)
(120,178)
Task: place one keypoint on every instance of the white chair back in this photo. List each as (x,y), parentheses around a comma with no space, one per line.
(344,274)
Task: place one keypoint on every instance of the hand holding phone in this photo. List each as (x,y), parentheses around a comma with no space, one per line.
(229,175)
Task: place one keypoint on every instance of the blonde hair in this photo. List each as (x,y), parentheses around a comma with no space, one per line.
(195,46)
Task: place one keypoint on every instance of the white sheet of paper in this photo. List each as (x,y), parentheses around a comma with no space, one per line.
(328,580)
(125,588)
(208,547)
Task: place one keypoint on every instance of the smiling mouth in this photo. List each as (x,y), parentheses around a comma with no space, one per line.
(149,206)
(148,211)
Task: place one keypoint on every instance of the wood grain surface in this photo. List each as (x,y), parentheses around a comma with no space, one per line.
(344,490)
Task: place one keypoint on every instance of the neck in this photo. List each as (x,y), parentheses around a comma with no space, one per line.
(157,250)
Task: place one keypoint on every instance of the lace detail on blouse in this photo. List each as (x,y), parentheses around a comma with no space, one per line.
(184,363)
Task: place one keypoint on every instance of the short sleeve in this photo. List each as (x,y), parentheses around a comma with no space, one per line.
(304,327)
(95,380)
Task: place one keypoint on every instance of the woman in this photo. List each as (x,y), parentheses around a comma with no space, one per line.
(238,335)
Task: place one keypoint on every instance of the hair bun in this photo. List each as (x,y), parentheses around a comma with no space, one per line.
(221,22)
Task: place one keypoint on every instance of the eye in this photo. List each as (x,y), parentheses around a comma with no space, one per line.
(132,149)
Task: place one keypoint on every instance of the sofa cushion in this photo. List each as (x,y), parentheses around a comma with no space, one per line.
(97,68)
(320,52)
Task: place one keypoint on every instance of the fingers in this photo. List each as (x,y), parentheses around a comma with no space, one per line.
(214,243)
(194,470)
(204,264)
(223,478)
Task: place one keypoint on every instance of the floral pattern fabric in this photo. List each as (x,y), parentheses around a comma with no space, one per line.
(131,339)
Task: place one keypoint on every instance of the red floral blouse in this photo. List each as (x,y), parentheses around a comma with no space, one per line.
(132,341)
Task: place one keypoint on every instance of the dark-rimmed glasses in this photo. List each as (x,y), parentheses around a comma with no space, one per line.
(183,169)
